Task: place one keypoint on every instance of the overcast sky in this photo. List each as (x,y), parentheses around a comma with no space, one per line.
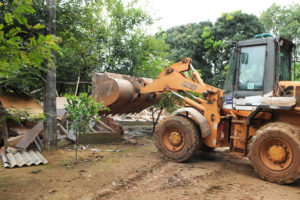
(175,12)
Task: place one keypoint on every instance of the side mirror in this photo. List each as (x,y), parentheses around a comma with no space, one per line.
(245,57)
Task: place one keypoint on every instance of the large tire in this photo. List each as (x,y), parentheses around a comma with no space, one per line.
(177,138)
(275,153)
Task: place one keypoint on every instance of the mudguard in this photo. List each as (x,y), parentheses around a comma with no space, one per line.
(198,118)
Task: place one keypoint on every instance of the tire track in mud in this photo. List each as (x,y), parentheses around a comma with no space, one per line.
(130,182)
(216,177)
(165,176)
(162,177)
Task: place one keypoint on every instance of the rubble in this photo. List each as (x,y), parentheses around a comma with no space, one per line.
(21,135)
(96,150)
(143,116)
(114,150)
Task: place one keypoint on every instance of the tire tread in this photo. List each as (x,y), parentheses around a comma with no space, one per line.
(195,137)
(293,132)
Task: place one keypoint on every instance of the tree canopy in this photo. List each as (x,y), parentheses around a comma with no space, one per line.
(111,36)
(205,42)
(106,35)
(23,49)
(95,35)
(284,21)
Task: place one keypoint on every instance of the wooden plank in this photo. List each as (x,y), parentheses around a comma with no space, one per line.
(239,121)
(99,138)
(238,138)
(279,101)
(30,135)
(77,85)
(63,129)
(74,83)
(12,141)
(106,126)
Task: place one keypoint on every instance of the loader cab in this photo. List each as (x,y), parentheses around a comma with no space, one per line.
(255,67)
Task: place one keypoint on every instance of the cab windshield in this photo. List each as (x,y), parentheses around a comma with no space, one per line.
(252,65)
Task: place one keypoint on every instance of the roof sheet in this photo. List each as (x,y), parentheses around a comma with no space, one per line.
(23,158)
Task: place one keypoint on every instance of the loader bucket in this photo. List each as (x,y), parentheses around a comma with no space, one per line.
(121,93)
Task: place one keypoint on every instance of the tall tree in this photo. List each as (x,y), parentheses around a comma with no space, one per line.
(50,127)
(107,35)
(205,42)
(234,26)
(186,41)
(284,21)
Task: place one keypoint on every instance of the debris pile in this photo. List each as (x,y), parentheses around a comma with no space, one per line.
(25,136)
(144,116)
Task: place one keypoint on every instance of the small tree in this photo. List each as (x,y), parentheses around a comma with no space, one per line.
(167,102)
(81,112)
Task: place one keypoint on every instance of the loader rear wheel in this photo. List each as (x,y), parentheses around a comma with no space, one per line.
(275,152)
(177,138)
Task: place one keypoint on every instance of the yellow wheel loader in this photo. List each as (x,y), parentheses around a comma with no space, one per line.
(257,114)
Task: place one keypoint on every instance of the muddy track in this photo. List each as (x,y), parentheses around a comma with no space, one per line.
(210,176)
(165,176)
(130,182)
(138,173)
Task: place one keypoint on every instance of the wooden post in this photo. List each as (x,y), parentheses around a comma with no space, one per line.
(5,133)
(77,85)
(50,128)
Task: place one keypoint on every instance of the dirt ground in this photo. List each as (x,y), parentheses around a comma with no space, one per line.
(136,171)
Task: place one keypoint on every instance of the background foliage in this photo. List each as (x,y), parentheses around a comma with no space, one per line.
(23,49)
(206,43)
(285,21)
(112,36)
(103,35)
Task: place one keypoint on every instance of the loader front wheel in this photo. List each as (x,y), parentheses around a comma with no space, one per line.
(275,153)
(177,138)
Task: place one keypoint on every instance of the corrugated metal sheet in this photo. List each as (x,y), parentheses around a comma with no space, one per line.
(23,158)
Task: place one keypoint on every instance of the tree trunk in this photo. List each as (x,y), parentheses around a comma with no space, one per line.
(50,127)
(154,121)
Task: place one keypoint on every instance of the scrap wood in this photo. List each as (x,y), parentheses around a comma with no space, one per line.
(77,85)
(62,128)
(30,136)
(11,139)
(279,101)
(106,126)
